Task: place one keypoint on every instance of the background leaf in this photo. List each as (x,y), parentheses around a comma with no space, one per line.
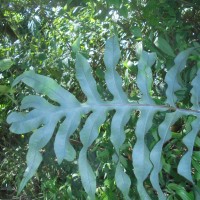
(164,46)
(6,64)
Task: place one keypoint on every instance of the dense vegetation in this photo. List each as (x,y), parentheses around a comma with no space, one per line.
(43,36)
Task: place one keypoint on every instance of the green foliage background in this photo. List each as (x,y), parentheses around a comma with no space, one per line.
(42,35)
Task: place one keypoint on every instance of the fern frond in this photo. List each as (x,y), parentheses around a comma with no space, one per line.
(43,118)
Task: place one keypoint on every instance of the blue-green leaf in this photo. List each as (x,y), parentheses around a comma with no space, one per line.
(144,77)
(24,123)
(171,77)
(155,155)
(121,117)
(45,85)
(195,98)
(33,101)
(113,80)
(37,141)
(33,159)
(184,166)
(87,135)
(62,147)
(117,138)
(112,53)
(41,136)
(86,80)
(87,175)
(123,181)
(140,156)
(119,120)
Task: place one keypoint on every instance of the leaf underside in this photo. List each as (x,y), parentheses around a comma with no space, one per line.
(43,117)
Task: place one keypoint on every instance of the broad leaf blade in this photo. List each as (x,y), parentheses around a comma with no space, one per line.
(45,85)
(123,181)
(155,155)
(120,119)
(43,117)
(41,136)
(140,156)
(195,98)
(33,159)
(86,80)
(62,147)
(113,80)
(87,135)
(144,77)
(171,77)
(87,175)
(112,53)
(33,101)
(24,123)
(184,166)
(37,141)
